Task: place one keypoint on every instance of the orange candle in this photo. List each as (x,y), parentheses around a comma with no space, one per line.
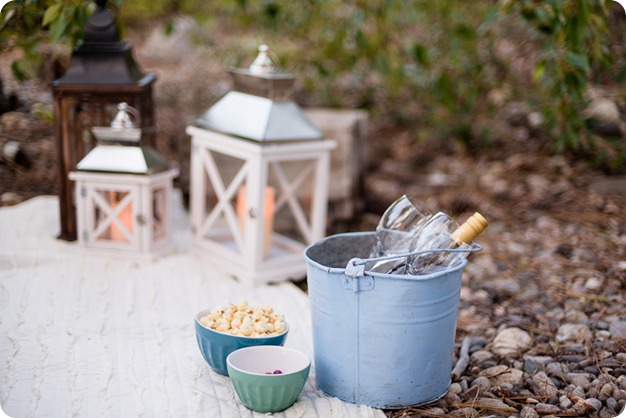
(125,216)
(268,215)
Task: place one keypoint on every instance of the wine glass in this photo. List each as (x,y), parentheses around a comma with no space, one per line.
(396,230)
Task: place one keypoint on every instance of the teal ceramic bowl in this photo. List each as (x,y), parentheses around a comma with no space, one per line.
(254,375)
(216,346)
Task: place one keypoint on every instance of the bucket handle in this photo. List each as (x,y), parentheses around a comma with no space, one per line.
(356,266)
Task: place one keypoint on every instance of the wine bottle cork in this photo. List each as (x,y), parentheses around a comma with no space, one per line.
(470,229)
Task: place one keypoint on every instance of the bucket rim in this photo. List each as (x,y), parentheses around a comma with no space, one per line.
(342,270)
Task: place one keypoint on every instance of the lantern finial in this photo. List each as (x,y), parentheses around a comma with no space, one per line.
(262,64)
(122,119)
(119,148)
(122,130)
(101,27)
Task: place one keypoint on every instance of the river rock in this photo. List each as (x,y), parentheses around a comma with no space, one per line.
(546,408)
(533,364)
(580,379)
(511,341)
(496,404)
(573,332)
(503,375)
(565,402)
(543,386)
(480,356)
(481,383)
(595,403)
(618,329)
(528,412)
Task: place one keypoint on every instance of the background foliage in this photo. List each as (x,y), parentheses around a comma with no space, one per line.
(442,66)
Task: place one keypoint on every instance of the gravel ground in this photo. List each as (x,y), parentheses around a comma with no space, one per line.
(542,322)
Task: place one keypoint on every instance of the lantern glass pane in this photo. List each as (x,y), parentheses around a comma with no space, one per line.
(294,184)
(113,216)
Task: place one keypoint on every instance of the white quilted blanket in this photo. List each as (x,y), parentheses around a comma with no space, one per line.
(93,336)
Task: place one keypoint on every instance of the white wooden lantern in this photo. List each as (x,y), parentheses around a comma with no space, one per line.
(259,178)
(123,192)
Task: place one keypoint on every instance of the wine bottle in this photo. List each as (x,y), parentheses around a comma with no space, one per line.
(443,232)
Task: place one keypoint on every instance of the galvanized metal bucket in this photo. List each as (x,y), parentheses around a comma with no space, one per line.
(382,340)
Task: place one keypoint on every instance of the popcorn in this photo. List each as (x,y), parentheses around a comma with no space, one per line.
(248,321)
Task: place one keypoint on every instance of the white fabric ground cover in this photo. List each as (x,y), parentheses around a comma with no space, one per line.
(88,335)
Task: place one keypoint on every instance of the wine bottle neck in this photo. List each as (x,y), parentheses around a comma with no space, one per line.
(470,229)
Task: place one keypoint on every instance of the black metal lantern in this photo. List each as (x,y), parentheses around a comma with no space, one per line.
(101,74)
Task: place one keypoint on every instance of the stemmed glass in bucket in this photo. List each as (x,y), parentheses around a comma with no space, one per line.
(395,233)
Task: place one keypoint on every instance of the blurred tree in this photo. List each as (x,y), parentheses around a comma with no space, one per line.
(431,64)
(31,24)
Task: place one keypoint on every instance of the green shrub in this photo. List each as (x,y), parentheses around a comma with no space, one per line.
(573,42)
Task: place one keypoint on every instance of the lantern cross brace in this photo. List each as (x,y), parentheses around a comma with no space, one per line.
(112,214)
(224,196)
(288,196)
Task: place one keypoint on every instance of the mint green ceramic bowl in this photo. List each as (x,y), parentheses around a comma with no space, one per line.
(253,374)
